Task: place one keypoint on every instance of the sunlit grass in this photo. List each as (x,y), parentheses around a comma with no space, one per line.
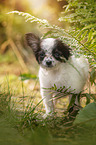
(22,92)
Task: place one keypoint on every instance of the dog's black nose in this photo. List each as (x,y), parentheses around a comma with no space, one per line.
(48,63)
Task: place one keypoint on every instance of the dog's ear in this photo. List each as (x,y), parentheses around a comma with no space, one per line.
(33,41)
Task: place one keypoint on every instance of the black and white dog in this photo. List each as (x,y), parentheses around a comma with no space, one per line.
(57,66)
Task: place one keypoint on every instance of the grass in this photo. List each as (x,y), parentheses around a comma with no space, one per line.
(28,127)
(25,125)
(21,111)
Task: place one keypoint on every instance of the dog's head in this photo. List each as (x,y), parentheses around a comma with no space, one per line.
(48,52)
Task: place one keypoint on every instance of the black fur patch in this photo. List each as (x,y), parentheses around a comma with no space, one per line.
(41,55)
(61,50)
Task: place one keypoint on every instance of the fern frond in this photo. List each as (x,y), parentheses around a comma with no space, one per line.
(57,31)
(30,18)
(42,22)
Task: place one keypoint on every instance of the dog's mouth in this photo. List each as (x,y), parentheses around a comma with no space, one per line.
(46,66)
(49,66)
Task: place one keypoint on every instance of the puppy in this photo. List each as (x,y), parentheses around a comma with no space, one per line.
(57,66)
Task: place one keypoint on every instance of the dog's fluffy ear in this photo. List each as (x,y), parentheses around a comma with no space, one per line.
(33,41)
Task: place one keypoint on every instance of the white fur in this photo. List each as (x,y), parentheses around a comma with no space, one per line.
(47,44)
(73,73)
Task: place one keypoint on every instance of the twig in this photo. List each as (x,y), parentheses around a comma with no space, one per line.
(16,51)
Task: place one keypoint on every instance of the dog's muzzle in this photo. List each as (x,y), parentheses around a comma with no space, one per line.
(49,63)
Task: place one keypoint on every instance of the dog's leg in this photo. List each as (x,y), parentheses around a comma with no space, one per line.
(47,101)
(77,99)
(74,106)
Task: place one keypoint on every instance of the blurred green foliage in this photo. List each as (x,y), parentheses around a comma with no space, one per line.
(82,18)
(13,26)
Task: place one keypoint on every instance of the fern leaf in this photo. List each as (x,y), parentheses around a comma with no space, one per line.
(30,18)
(89,20)
(90,26)
(83,35)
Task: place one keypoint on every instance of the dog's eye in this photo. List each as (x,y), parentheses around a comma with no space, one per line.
(57,54)
(42,54)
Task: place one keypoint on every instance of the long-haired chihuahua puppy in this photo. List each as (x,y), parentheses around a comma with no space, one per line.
(57,66)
